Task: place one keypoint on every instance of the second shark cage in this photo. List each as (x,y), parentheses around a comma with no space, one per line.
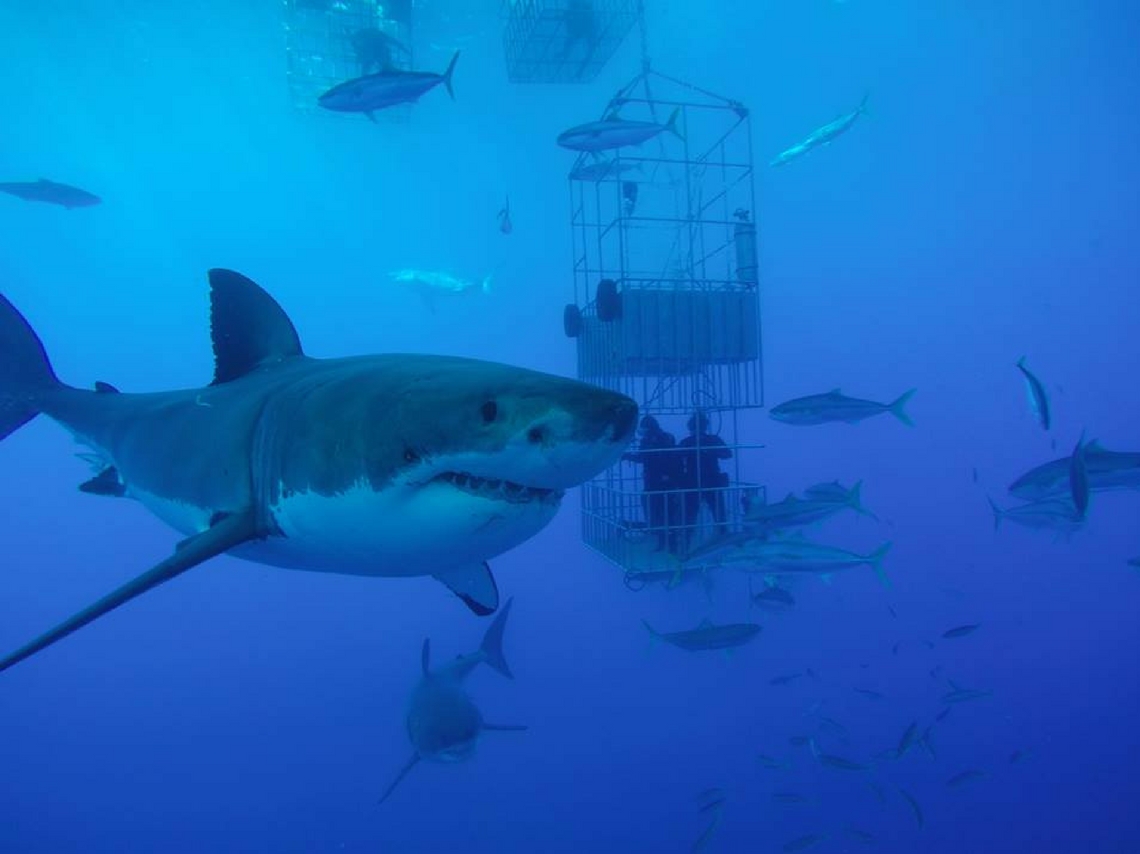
(666,309)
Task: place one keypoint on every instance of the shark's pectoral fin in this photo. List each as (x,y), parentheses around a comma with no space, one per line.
(228,532)
(474,585)
(107,482)
(506,727)
(411,763)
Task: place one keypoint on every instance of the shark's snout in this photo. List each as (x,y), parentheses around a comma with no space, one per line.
(623,418)
(607,417)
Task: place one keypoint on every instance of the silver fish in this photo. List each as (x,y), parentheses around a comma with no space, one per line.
(836,406)
(616,133)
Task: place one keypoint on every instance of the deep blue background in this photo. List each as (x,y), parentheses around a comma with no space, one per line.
(987,208)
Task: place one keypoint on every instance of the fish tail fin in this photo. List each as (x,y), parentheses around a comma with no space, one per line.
(447,75)
(653,633)
(898,407)
(875,558)
(25,372)
(863,104)
(855,500)
(492,646)
(486,284)
(998,513)
(671,125)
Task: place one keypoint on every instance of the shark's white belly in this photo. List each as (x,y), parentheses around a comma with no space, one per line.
(394,532)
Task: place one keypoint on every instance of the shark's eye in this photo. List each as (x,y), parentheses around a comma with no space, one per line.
(411,456)
(536,435)
(489,411)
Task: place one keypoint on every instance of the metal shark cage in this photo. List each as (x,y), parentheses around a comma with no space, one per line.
(666,310)
(563,41)
(319,51)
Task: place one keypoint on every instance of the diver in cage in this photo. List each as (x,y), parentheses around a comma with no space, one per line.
(701,478)
(656,454)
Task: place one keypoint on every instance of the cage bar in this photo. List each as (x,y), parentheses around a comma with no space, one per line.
(563,41)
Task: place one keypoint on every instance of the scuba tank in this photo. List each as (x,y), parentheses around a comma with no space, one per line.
(744,238)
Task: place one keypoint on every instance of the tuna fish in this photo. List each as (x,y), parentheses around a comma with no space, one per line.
(613,132)
(821,136)
(1035,391)
(835,406)
(708,636)
(1106,470)
(386,88)
(50,192)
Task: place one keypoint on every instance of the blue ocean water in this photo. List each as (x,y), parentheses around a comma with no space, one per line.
(984,210)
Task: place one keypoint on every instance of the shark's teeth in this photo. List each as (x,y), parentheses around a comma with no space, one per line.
(501,490)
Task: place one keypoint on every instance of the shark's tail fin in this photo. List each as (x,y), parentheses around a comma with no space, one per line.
(671,125)
(25,371)
(492,646)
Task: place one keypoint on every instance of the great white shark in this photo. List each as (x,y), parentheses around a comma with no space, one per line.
(384,465)
(444,724)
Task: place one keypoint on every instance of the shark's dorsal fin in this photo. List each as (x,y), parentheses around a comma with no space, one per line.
(425,657)
(105,388)
(474,585)
(248,327)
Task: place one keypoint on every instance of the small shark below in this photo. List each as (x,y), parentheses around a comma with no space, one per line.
(386,465)
(430,284)
(444,724)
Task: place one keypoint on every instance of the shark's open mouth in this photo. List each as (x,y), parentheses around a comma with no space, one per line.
(499,490)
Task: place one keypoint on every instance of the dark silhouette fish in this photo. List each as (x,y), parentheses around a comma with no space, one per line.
(772,598)
(1035,391)
(505,224)
(50,192)
(708,636)
(960,631)
(840,763)
(914,807)
(386,88)
(965,777)
(1106,470)
(1079,479)
(1049,514)
(802,843)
